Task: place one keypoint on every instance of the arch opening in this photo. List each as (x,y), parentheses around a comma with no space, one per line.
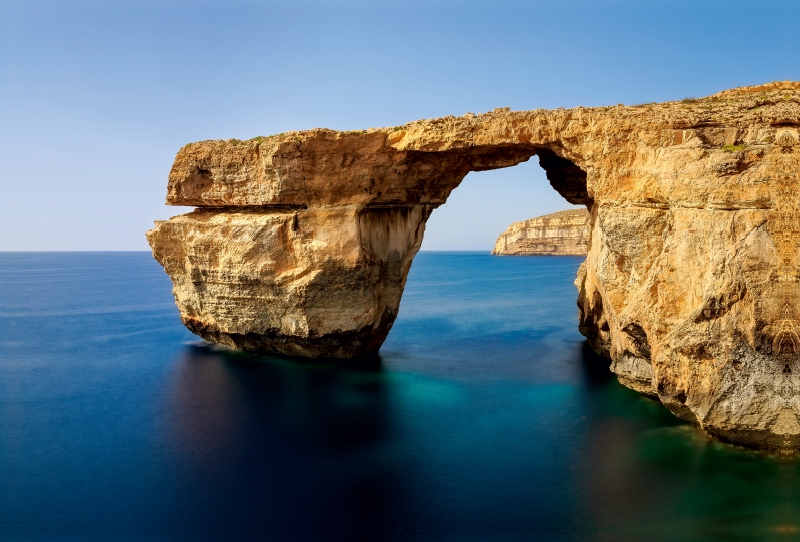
(504,186)
(567,178)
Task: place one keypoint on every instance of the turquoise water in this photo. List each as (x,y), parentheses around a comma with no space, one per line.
(485,419)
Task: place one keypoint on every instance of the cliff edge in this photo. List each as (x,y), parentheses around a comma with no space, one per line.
(565,233)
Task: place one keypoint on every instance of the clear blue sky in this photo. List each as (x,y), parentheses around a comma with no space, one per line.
(96,97)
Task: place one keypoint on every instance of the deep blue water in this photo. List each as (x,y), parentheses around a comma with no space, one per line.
(487,419)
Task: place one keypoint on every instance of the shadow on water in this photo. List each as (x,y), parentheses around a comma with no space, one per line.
(337,452)
(333,452)
(596,369)
(299,448)
(336,405)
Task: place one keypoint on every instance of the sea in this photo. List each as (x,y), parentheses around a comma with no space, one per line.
(485,418)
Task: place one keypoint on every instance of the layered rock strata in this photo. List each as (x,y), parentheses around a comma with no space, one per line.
(565,233)
(301,242)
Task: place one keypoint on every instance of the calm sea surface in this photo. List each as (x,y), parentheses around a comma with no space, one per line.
(486,420)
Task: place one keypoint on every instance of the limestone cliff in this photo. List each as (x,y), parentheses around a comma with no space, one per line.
(565,233)
(691,285)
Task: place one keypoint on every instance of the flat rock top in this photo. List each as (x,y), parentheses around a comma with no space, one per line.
(771,103)
(568,217)
(422,161)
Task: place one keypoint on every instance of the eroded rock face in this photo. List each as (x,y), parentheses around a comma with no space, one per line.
(303,282)
(302,242)
(565,233)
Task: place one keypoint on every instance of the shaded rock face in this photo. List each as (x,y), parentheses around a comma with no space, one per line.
(302,242)
(565,233)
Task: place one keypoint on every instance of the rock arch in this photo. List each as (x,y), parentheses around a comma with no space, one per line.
(301,242)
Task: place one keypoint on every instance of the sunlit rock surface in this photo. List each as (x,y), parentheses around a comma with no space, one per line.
(565,233)
(302,241)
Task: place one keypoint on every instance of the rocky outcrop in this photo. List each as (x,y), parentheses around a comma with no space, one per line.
(565,233)
(304,282)
(301,242)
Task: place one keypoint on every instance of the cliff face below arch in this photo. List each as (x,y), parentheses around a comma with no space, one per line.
(301,242)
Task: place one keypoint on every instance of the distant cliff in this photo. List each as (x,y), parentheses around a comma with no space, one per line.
(562,233)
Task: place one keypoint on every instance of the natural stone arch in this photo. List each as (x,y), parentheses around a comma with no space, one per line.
(301,242)
(331,220)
